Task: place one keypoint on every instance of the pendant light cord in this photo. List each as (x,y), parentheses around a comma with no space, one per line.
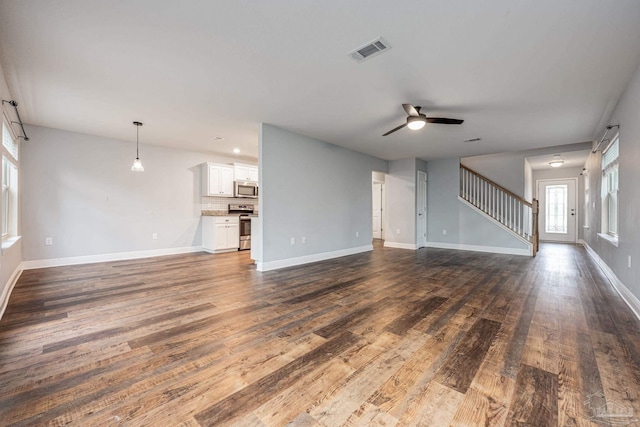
(137,134)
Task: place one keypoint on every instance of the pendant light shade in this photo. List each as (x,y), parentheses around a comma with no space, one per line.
(137,163)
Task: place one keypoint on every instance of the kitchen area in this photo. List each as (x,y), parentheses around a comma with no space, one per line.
(229,202)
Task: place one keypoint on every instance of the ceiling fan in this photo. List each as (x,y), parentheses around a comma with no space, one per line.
(416,120)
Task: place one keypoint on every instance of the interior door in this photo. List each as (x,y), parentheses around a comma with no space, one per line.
(558,214)
(422,210)
(377,210)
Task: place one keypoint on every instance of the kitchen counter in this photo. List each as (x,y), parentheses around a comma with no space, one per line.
(218,213)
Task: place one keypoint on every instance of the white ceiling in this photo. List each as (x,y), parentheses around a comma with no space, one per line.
(571,159)
(522,74)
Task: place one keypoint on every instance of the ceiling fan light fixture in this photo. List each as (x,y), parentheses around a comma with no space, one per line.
(415,123)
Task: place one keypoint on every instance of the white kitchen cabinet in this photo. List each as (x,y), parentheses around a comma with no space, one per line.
(220,233)
(245,172)
(217,180)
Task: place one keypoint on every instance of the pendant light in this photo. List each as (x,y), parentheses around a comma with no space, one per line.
(137,163)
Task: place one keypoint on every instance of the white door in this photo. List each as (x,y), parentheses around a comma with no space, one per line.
(558,210)
(422,210)
(377,210)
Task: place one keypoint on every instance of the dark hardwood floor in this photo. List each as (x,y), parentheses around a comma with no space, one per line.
(392,337)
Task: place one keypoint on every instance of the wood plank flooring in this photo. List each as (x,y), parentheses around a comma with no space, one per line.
(390,338)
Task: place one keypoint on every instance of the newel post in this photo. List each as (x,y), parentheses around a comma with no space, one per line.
(534,226)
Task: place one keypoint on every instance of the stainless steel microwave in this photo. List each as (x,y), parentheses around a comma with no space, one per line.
(246,189)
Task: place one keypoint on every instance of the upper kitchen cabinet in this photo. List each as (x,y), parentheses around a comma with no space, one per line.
(245,172)
(217,180)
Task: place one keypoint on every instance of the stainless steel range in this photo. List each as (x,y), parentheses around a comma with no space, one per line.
(245,224)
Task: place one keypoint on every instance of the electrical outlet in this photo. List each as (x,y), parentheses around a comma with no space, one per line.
(303,240)
(154,236)
(48,241)
(357,234)
(398,231)
(293,241)
(444,232)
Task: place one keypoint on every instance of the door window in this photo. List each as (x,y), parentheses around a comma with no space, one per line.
(556,209)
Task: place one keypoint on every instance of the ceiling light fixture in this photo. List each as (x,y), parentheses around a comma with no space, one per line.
(137,164)
(236,150)
(556,162)
(415,123)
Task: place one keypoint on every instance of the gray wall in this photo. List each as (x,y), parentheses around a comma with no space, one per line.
(79,190)
(626,114)
(313,189)
(11,257)
(463,224)
(529,191)
(400,186)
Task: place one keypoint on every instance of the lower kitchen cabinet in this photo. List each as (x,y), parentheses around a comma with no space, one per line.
(220,233)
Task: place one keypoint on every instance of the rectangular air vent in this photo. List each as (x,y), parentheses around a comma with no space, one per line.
(369,50)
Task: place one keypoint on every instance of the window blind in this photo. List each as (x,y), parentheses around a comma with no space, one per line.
(10,144)
(610,156)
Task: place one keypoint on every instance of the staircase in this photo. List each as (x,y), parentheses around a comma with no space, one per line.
(511,211)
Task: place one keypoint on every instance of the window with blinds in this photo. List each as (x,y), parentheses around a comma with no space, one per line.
(610,188)
(9,211)
(9,143)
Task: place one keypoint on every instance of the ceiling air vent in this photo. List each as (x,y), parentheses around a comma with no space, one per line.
(369,50)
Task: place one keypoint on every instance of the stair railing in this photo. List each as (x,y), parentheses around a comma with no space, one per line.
(504,206)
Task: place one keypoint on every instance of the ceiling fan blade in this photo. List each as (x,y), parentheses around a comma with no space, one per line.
(444,120)
(395,129)
(411,110)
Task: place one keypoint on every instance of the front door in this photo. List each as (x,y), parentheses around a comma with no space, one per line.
(558,215)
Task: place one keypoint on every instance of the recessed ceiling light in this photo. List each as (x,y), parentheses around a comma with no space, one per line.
(473,140)
(217,138)
(236,150)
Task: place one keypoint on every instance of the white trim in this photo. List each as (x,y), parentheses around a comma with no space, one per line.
(608,238)
(632,301)
(119,256)
(498,223)
(306,259)
(398,245)
(8,288)
(478,248)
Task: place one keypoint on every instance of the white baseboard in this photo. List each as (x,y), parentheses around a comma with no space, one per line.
(118,256)
(290,262)
(632,301)
(397,245)
(6,292)
(477,248)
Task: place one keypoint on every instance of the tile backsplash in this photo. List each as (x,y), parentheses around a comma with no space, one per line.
(222,203)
